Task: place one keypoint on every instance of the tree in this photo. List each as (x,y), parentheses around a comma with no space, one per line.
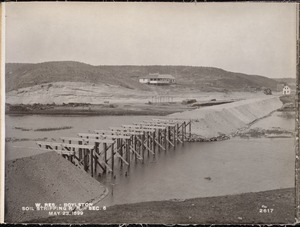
(267,91)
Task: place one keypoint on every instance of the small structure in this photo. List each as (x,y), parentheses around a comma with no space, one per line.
(157,79)
(286,90)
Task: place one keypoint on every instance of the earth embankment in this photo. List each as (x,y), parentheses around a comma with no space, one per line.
(226,119)
(45,178)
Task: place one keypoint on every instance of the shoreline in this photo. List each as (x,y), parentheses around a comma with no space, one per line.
(239,208)
(109,109)
(272,206)
(104,113)
(138,109)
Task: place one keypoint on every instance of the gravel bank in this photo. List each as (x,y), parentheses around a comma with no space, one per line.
(225,119)
(45,178)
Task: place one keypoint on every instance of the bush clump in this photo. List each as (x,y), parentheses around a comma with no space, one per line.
(188,101)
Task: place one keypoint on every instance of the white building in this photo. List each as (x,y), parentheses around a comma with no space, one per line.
(157,79)
(286,90)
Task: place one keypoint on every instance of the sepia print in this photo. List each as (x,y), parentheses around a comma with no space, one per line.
(171,113)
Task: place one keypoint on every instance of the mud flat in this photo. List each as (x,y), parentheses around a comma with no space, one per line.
(46,178)
(214,121)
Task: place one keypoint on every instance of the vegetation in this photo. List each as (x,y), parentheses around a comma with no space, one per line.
(23,129)
(287,115)
(287,99)
(112,106)
(14,139)
(267,91)
(259,132)
(52,129)
(189,101)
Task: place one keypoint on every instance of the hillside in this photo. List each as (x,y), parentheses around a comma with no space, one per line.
(289,81)
(27,75)
(286,80)
(200,78)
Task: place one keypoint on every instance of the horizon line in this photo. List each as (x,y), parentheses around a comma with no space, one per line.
(196,66)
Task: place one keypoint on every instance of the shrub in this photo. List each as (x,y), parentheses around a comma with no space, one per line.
(112,106)
(189,101)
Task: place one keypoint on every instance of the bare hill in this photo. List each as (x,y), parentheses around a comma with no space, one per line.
(203,78)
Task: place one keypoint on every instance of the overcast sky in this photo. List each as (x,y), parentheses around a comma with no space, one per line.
(253,38)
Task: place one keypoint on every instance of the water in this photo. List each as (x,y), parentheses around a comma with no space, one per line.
(193,170)
(79,124)
(207,169)
(283,120)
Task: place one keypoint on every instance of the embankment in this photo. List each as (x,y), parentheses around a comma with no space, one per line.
(226,119)
(45,178)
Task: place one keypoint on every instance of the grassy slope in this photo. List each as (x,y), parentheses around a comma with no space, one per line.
(290,81)
(286,80)
(204,78)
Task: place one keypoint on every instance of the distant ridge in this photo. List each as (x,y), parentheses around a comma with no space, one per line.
(286,80)
(20,75)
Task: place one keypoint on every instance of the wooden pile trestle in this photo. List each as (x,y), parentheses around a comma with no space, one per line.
(121,145)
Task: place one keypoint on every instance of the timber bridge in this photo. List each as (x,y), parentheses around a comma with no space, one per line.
(105,149)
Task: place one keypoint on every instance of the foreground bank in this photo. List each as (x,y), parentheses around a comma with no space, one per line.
(276,206)
(45,178)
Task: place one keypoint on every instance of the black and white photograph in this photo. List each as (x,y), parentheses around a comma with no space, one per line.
(150,112)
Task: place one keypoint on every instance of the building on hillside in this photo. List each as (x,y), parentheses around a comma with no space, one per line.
(286,90)
(157,79)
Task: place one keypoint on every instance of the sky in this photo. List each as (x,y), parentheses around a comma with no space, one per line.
(252,38)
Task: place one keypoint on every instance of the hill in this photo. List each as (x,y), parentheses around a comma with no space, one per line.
(27,75)
(289,81)
(286,80)
(203,78)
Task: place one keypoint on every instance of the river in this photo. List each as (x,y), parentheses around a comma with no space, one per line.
(193,170)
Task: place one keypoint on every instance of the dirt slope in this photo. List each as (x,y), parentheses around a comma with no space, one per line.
(45,178)
(228,118)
